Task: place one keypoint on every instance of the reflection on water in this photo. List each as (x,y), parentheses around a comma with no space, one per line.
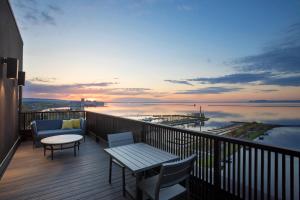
(288,137)
(208,125)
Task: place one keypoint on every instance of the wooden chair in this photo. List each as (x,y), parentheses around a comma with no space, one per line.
(114,140)
(166,184)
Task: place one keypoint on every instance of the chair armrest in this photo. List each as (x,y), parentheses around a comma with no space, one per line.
(33,128)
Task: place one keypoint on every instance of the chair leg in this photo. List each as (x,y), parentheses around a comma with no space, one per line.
(110,166)
(187,186)
(123,181)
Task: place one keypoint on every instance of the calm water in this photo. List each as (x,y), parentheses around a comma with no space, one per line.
(222,114)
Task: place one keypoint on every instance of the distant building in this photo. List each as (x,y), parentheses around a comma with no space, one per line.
(76,105)
(82,104)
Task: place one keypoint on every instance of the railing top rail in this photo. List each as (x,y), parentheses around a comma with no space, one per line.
(242,142)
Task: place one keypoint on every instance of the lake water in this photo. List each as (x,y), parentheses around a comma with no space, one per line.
(222,114)
(288,137)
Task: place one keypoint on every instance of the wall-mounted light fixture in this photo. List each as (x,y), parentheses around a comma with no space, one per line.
(2,60)
(21,78)
(12,67)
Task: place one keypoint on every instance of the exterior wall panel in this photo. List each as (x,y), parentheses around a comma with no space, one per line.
(11,45)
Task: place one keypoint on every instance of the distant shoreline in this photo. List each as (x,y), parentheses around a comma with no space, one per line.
(269,124)
(196,102)
(236,105)
(170,102)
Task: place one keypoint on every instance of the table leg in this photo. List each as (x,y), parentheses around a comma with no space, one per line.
(44,150)
(139,193)
(51,152)
(78,145)
(75,149)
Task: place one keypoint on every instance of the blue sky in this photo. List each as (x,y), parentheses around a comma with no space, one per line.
(161,49)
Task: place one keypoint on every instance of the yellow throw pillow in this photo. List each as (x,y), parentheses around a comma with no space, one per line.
(76,123)
(67,124)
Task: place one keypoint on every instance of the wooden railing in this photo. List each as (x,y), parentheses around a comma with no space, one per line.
(226,168)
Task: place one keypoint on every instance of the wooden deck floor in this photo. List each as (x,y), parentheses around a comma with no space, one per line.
(32,176)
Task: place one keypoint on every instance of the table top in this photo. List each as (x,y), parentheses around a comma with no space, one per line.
(140,157)
(61,139)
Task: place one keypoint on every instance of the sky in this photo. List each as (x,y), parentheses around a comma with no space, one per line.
(161,50)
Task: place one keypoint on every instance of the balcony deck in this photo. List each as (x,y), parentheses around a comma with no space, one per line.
(30,175)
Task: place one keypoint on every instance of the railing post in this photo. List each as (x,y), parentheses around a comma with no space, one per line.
(217,173)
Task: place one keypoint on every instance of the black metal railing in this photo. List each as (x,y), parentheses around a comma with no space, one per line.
(226,168)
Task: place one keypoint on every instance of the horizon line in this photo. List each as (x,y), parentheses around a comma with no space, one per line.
(158,101)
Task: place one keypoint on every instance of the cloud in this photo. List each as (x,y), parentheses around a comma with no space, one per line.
(277,65)
(285,59)
(25,4)
(42,79)
(210,90)
(55,8)
(126,91)
(30,17)
(264,78)
(35,87)
(36,12)
(179,82)
(98,84)
(47,18)
(293,80)
(40,87)
(292,37)
(233,78)
(281,56)
(268,90)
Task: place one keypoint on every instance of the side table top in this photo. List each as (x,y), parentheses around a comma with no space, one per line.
(62,139)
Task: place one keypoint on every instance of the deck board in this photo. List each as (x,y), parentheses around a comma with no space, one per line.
(32,176)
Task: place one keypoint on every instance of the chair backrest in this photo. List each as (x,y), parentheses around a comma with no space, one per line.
(119,139)
(175,172)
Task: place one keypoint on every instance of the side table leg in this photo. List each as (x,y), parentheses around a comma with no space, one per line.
(51,152)
(78,143)
(75,149)
(44,150)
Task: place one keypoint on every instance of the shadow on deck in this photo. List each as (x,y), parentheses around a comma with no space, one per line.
(30,175)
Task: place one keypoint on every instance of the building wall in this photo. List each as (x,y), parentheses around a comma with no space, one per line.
(11,45)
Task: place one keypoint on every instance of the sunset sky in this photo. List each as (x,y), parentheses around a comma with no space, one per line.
(160,50)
